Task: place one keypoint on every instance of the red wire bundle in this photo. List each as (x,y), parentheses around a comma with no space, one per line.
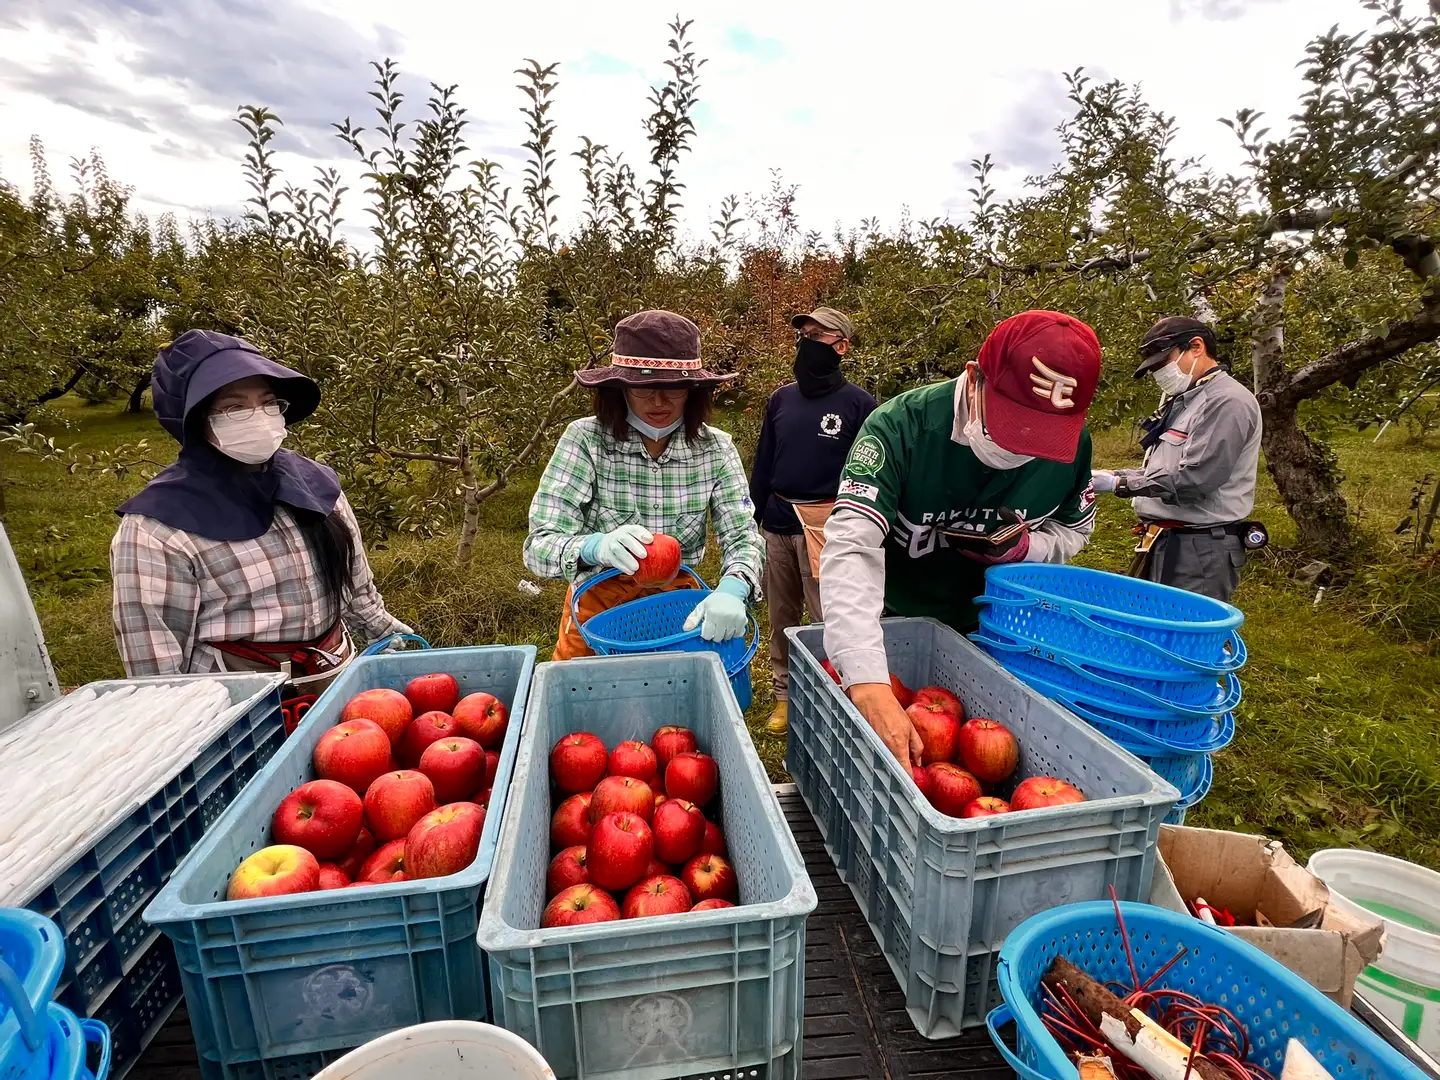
(1212,1031)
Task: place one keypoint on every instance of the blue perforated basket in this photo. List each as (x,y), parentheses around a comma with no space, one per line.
(1203,696)
(1138,624)
(655,624)
(1272,1002)
(1191,773)
(32,956)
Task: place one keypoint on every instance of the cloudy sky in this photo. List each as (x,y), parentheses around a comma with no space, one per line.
(870,108)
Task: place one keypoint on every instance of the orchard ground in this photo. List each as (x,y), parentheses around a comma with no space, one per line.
(1338,738)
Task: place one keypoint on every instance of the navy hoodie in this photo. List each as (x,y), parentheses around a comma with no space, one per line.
(803,446)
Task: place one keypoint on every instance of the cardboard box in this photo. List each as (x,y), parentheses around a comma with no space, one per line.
(1249,874)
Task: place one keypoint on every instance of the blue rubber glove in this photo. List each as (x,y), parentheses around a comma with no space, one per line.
(622,548)
(722,612)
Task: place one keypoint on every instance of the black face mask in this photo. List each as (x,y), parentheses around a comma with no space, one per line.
(817,368)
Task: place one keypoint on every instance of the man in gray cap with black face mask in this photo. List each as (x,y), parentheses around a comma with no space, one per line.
(1202,449)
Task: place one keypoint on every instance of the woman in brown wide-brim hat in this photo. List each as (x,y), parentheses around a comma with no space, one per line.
(647,462)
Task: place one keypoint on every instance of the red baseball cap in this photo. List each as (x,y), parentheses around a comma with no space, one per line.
(1040,372)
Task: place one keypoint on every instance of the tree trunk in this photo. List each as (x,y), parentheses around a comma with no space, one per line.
(137,395)
(1309,482)
(470,524)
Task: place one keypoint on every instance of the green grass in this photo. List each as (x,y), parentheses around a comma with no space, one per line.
(1339,733)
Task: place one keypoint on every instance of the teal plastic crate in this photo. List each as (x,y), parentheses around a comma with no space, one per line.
(941,893)
(277,987)
(718,993)
(97,900)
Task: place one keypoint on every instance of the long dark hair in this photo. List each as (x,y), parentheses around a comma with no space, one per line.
(332,547)
(612,411)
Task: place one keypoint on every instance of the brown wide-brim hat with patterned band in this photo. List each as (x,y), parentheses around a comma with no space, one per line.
(653,348)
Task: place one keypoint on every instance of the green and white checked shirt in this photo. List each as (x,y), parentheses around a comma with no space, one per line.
(595,483)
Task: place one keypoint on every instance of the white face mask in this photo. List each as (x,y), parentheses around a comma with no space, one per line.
(252,440)
(1171,379)
(650,431)
(989,453)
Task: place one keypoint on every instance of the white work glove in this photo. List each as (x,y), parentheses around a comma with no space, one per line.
(1102,480)
(622,548)
(722,612)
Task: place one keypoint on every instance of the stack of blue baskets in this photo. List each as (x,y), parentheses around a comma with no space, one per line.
(1150,666)
(41,1039)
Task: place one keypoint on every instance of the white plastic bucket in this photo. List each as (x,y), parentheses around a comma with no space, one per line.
(1404,983)
(445,1050)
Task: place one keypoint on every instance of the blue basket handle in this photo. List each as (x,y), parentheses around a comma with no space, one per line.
(1221,735)
(1201,788)
(32,1026)
(998,1018)
(1232,692)
(1234,643)
(606,575)
(744,661)
(394,639)
(98,1033)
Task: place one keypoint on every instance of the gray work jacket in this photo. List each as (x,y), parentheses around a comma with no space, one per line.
(1202,471)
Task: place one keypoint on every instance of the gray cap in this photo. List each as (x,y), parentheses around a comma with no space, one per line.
(830,319)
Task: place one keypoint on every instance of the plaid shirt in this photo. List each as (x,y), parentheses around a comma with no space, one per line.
(174,591)
(596,483)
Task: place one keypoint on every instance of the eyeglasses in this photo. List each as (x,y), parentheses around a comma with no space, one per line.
(245,412)
(663,393)
(819,334)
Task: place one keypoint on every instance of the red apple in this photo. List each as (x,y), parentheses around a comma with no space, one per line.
(939,730)
(278,870)
(433,693)
(384,863)
(988,749)
(671,740)
(570,824)
(388,708)
(617,794)
(620,848)
(482,717)
(492,768)
(444,841)
(985,806)
(332,877)
(395,801)
(566,869)
(679,829)
(656,869)
(939,696)
(580,904)
(323,817)
(903,694)
(361,850)
(952,788)
(455,766)
(692,776)
(1044,791)
(577,762)
(709,876)
(713,904)
(714,842)
(830,670)
(660,797)
(427,728)
(922,780)
(634,758)
(660,563)
(662,895)
(352,753)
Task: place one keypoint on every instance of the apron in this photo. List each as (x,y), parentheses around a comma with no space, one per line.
(602,597)
(309,666)
(812,518)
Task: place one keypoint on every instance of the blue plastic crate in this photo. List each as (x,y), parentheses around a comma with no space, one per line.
(1095,613)
(97,899)
(941,893)
(1202,696)
(708,994)
(275,984)
(1273,1003)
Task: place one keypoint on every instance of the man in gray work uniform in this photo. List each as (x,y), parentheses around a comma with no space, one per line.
(1202,449)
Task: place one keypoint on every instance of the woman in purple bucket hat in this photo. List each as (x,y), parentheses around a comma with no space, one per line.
(645,463)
